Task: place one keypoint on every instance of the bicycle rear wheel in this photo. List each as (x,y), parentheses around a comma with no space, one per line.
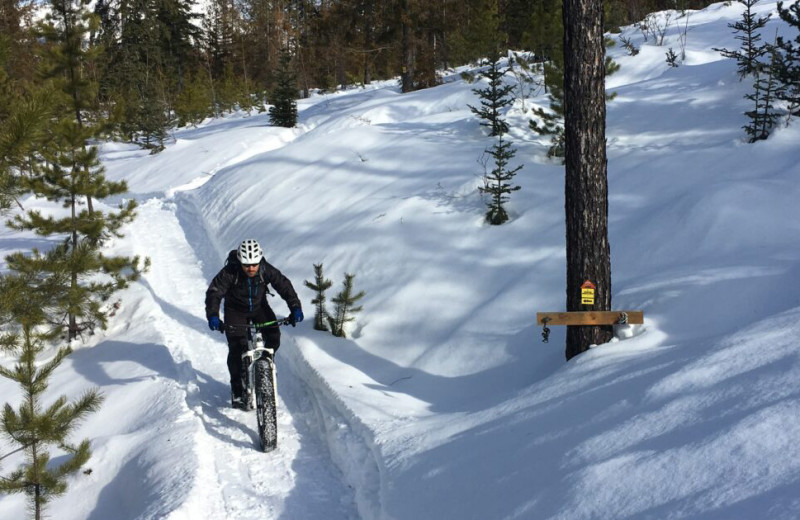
(266,404)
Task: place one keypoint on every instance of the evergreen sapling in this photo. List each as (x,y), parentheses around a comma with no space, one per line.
(25,305)
(763,116)
(284,110)
(498,183)
(320,285)
(346,306)
(751,51)
(672,58)
(494,98)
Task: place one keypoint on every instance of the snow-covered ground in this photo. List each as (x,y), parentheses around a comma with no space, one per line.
(444,402)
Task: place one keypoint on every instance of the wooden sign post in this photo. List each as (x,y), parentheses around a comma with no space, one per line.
(587,318)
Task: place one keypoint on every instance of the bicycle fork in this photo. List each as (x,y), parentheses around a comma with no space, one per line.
(249,358)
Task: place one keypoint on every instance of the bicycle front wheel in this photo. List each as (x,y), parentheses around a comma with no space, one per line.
(266,404)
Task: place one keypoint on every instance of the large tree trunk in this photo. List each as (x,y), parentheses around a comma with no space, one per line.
(586,202)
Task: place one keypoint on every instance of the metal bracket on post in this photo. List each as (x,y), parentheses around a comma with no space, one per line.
(545,331)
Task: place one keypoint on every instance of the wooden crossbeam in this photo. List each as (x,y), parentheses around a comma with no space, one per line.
(589,317)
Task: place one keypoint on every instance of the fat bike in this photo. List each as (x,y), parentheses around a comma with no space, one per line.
(260,382)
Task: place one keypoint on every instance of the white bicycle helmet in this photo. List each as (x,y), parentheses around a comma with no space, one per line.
(250,252)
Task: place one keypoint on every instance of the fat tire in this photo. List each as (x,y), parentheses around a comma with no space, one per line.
(266,409)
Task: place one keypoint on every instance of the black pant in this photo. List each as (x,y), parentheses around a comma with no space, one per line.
(236,334)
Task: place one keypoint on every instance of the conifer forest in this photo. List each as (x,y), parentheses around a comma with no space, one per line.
(143,67)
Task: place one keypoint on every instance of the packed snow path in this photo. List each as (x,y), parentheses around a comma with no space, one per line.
(234,478)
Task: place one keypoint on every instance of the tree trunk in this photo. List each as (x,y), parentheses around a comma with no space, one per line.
(37,484)
(586,186)
(72,327)
(407,74)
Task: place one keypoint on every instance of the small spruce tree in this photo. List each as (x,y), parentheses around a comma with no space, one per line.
(494,97)
(345,307)
(153,116)
(26,303)
(672,58)
(498,183)
(283,111)
(320,285)
(193,103)
(751,51)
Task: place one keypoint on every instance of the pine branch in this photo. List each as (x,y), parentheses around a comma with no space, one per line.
(21,448)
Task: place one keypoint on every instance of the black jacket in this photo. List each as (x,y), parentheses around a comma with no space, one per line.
(244,294)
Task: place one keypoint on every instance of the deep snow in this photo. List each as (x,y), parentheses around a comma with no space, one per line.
(444,403)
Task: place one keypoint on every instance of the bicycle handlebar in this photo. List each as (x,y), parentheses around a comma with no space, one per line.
(275,323)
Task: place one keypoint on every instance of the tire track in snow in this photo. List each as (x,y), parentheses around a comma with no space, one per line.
(234,479)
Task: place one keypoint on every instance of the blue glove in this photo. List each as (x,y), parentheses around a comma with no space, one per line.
(296,316)
(213,323)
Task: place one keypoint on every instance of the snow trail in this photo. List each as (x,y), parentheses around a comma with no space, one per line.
(234,478)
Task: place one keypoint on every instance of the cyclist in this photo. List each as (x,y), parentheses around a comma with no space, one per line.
(242,282)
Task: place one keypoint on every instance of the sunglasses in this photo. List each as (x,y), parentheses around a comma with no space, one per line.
(249,266)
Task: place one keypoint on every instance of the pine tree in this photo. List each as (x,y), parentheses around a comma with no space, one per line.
(320,285)
(475,33)
(283,111)
(420,25)
(498,183)
(345,307)
(23,119)
(17,41)
(263,35)
(515,21)
(153,117)
(766,88)
(193,103)
(19,139)
(789,64)
(26,299)
(751,51)
(149,58)
(71,174)
(494,97)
